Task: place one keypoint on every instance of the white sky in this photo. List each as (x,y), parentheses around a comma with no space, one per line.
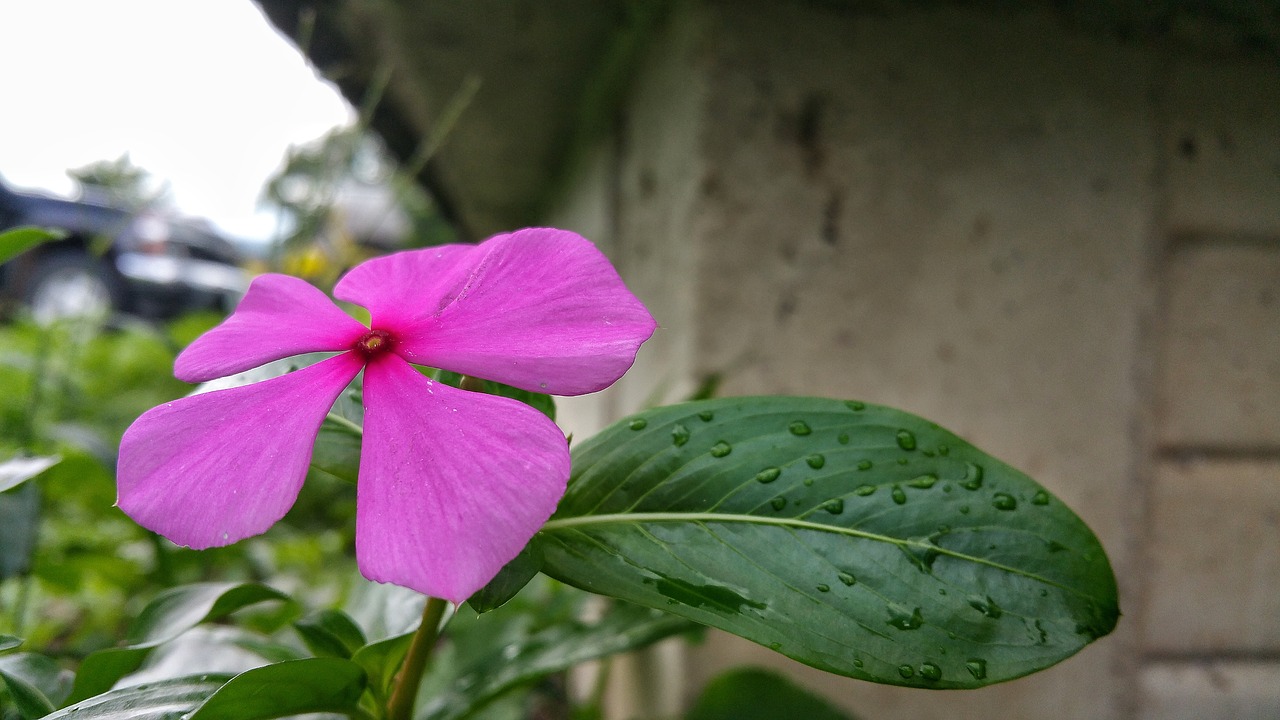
(203,94)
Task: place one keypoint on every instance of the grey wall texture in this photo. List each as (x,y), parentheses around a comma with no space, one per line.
(1065,246)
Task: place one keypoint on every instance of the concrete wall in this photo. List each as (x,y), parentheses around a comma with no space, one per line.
(1062,246)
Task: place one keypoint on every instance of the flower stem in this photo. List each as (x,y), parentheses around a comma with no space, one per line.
(400,706)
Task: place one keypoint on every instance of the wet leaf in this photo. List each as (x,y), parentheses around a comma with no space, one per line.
(858,539)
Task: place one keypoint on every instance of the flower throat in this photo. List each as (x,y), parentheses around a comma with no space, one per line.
(374,342)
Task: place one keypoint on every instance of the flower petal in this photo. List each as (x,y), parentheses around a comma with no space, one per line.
(540,309)
(214,468)
(453,484)
(280,316)
(398,288)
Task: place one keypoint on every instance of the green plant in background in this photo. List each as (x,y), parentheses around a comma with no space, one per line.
(855,538)
(73,568)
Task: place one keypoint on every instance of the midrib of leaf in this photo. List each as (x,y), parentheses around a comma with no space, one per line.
(588,521)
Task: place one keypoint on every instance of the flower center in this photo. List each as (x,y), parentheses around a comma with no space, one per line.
(374,342)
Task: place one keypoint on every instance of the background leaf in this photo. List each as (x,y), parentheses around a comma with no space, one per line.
(756,694)
(330,633)
(164,618)
(522,657)
(36,683)
(17,470)
(380,660)
(19,240)
(544,404)
(19,519)
(510,580)
(287,688)
(164,700)
(858,539)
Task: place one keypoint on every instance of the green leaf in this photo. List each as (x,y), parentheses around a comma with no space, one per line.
(755,694)
(510,580)
(547,651)
(35,682)
(170,614)
(163,700)
(857,539)
(19,519)
(19,240)
(17,470)
(337,452)
(330,633)
(544,404)
(381,660)
(9,642)
(287,688)
(186,606)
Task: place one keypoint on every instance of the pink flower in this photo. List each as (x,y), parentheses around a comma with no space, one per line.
(453,484)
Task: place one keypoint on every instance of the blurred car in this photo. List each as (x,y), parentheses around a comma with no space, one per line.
(116,260)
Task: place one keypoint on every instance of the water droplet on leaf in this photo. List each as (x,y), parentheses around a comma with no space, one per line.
(864,464)
(721,449)
(1040,498)
(977,667)
(768,475)
(1004,501)
(816,461)
(904,619)
(638,424)
(864,490)
(679,435)
(824,588)
(929,671)
(906,440)
(834,506)
(899,496)
(972,476)
(778,503)
(706,415)
(847,578)
(808,482)
(800,427)
(906,671)
(843,439)
(986,606)
(924,482)
(856,405)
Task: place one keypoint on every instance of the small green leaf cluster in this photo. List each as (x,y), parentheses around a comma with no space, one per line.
(328,660)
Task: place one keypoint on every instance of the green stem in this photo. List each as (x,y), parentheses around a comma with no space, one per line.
(20,602)
(346,424)
(400,706)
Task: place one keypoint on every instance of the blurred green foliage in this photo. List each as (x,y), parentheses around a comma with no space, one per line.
(70,390)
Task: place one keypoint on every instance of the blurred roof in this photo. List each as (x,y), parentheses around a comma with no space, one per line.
(509,90)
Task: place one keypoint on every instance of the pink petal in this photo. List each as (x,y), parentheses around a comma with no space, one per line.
(211,469)
(540,309)
(280,316)
(401,287)
(453,484)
